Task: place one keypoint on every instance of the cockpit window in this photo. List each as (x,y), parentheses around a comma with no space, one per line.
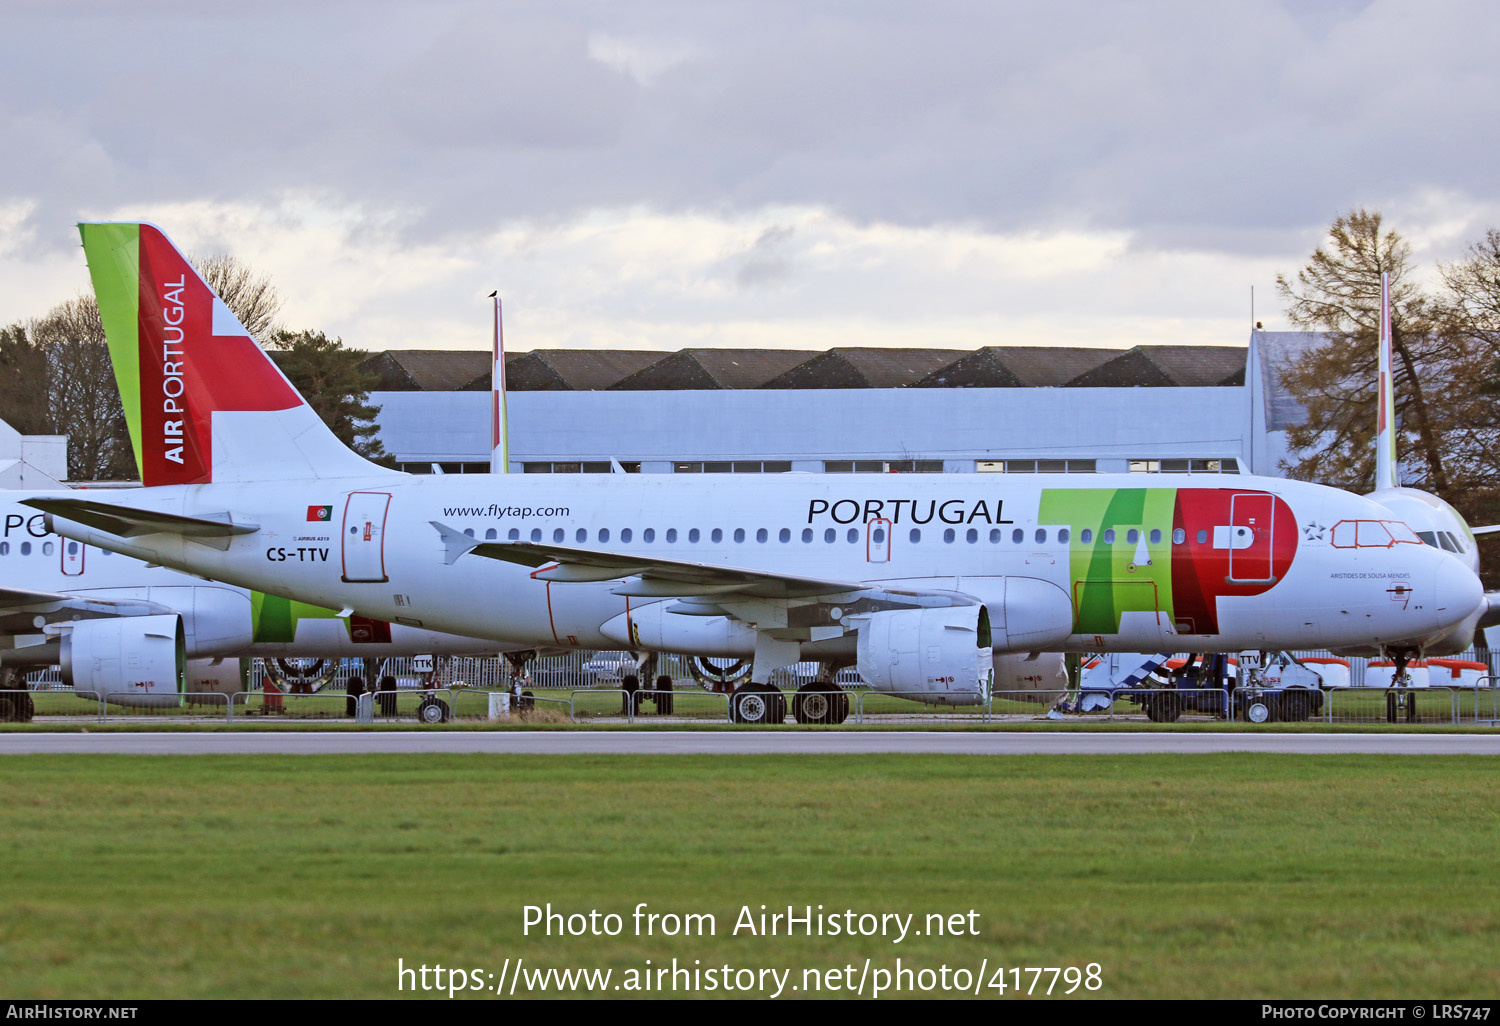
(1458,545)
(1428,537)
(1372,534)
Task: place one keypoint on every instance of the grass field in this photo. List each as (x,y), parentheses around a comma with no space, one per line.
(1183,876)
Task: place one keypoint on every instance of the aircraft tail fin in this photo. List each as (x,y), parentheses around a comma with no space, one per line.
(202,400)
(1385,418)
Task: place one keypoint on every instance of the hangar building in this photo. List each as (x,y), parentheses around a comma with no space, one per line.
(1197,409)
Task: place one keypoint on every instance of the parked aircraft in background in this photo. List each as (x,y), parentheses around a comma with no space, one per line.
(146,634)
(916,580)
(1435,522)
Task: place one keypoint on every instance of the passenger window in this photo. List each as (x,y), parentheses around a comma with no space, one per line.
(739,535)
(784,535)
(489,535)
(581,535)
(878,536)
(1444,539)
(604,534)
(536,534)
(853,535)
(47,548)
(1087,536)
(971,536)
(1018,536)
(994,535)
(717,535)
(693,536)
(5,549)
(1109,536)
(1063,534)
(1178,536)
(1202,536)
(807,535)
(1132,536)
(72,548)
(916,535)
(468,531)
(830,536)
(1155,536)
(648,535)
(26,548)
(761,535)
(671,535)
(1429,537)
(625,535)
(948,536)
(514,534)
(1041,535)
(559,534)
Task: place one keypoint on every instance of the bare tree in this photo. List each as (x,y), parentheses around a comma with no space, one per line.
(1473,307)
(251,296)
(83,401)
(1338,294)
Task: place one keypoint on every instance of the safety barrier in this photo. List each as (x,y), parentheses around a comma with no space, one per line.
(646,704)
(132,704)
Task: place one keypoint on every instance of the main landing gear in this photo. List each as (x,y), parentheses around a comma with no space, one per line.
(16,705)
(820,702)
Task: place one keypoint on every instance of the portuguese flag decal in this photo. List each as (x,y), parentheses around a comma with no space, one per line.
(321,514)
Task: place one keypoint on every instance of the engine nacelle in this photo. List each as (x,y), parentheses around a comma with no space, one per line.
(938,656)
(218,676)
(135,661)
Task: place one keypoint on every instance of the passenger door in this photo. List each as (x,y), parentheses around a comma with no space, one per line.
(364,536)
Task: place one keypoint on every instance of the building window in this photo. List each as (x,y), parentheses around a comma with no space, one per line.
(1036,466)
(883,466)
(1185,466)
(587,467)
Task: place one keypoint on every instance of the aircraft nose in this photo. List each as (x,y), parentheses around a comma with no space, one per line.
(1457,591)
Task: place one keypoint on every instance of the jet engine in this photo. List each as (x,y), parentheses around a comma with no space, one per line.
(938,656)
(218,676)
(137,661)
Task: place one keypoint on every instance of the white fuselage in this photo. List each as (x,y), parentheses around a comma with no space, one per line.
(1216,564)
(220,619)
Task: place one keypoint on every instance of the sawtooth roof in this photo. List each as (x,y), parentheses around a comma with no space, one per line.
(1168,366)
(714,368)
(552,370)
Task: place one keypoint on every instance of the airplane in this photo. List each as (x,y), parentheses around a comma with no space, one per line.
(915,580)
(146,635)
(1435,522)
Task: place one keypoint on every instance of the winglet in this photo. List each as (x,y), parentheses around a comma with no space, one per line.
(1385,418)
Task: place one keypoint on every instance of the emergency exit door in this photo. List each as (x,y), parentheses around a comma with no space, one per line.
(72,557)
(1250,559)
(364,536)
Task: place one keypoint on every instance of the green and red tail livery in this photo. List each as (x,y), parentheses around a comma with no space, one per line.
(190,356)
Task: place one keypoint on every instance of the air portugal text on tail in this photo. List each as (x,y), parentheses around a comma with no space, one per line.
(202,401)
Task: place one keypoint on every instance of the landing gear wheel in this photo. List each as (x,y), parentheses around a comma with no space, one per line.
(1295,707)
(1164,708)
(758,704)
(820,704)
(1258,712)
(630,701)
(525,702)
(433,710)
(664,695)
(16,707)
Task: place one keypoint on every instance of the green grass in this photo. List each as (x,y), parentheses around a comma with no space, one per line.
(1184,876)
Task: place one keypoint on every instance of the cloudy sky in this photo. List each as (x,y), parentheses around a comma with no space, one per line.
(665,174)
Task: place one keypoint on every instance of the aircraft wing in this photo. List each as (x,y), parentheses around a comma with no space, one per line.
(20,609)
(645,576)
(128,522)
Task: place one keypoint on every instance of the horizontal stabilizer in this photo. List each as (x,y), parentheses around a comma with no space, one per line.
(128,522)
(22,610)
